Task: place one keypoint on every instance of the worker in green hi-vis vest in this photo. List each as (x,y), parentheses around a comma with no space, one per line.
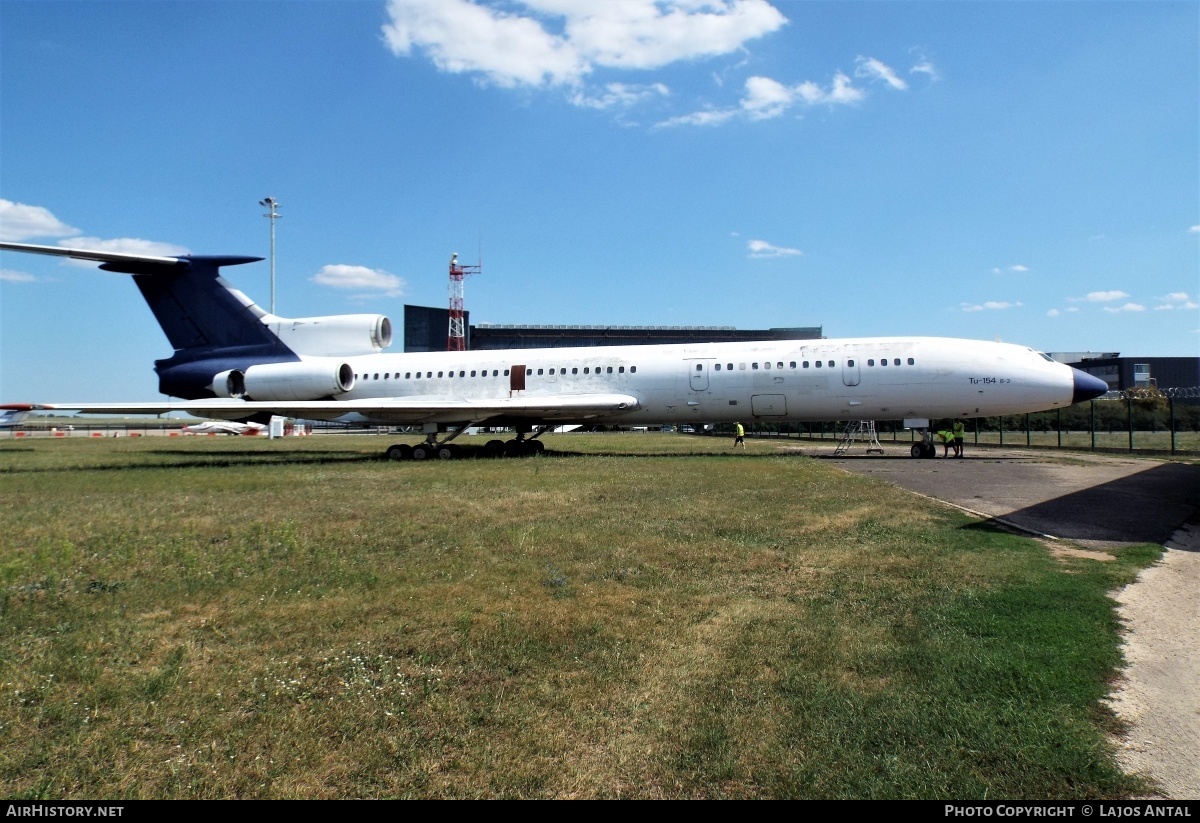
(960,432)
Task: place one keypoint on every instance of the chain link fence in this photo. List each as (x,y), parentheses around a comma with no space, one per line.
(1135,420)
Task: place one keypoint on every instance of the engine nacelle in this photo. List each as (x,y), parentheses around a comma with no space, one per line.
(338,335)
(312,380)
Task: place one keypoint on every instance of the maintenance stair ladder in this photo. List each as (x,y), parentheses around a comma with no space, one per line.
(863,430)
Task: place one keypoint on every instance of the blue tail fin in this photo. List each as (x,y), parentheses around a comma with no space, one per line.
(195,307)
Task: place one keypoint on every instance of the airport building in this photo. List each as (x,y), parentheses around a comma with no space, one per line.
(425,329)
(1121,373)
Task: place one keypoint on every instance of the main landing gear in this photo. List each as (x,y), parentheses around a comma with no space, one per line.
(432,449)
(926,448)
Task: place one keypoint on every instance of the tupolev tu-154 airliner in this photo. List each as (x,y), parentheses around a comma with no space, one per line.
(235,361)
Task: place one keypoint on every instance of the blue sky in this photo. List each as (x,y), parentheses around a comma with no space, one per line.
(1023,171)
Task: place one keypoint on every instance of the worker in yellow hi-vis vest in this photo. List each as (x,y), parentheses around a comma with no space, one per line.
(739,435)
(960,432)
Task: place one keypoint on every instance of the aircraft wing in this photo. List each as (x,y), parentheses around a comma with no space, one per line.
(384,411)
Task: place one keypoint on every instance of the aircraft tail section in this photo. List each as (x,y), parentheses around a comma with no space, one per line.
(196,308)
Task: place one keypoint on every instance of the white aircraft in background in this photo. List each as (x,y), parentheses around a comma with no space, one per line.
(235,361)
(224,427)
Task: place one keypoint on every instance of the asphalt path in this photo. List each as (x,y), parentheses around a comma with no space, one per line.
(1095,500)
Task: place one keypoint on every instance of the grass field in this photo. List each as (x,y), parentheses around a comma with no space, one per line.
(643,616)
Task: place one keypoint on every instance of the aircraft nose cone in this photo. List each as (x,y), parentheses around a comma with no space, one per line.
(1087,387)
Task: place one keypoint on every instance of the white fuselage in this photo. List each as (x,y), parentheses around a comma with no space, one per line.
(784,381)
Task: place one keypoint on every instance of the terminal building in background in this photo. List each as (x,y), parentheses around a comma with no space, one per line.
(1121,373)
(426,329)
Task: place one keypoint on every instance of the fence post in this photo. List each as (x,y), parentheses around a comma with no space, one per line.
(1058,425)
(1129,419)
(1171,413)
(1001,430)
(1028,436)
(1093,424)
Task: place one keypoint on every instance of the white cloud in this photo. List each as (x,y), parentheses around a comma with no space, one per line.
(1018,267)
(876,70)
(766,98)
(19,222)
(1126,307)
(1195,229)
(1177,300)
(1053,313)
(360,277)
(120,245)
(708,117)
(1101,296)
(622,95)
(763,249)
(991,305)
(926,68)
(545,43)
(14,276)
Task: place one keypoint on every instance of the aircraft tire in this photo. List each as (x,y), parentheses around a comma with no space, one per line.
(514,448)
(401,451)
(420,452)
(918,450)
(494,448)
(535,446)
(446,453)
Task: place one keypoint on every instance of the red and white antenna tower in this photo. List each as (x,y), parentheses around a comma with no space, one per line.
(457,339)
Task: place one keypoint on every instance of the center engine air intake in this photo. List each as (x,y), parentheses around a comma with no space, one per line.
(337,335)
(312,380)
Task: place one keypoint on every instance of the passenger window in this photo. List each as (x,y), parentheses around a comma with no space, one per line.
(792,364)
(850,363)
(610,369)
(439,374)
(805,364)
(699,367)
(779,365)
(754,365)
(767,365)
(632,369)
(408,375)
(883,361)
(871,362)
(911,362)
(495,370)
(621,369)
(831,364)
(574,370)
(728,367)
(741,366)
(818,364)
(529,372)
(539,371)
(506,372)
(896,362)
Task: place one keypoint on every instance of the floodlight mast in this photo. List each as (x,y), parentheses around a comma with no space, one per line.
(271,204)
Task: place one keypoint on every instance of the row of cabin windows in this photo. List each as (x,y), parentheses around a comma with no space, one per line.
(495,373)
(804,364)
